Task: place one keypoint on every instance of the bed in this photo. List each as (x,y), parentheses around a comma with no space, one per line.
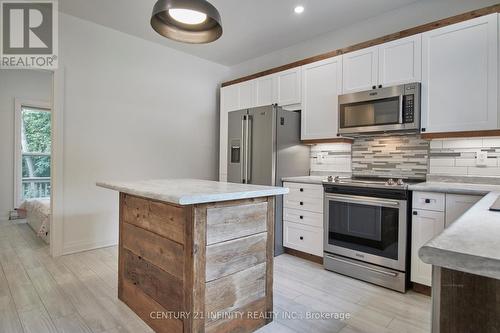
(37,212)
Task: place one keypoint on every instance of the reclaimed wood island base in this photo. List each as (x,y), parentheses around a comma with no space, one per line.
(205,267)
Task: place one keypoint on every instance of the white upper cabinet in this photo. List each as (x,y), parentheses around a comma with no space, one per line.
(264,91)
(230,98)
(400,61)
(321,86)
(288,87)
(247,94)
(459,76)
(360,70)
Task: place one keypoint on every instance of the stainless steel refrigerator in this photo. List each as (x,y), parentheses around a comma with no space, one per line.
(263,147)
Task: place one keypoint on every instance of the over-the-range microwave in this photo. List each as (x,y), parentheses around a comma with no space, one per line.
(391,109)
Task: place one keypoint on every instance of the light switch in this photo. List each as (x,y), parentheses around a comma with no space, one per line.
(481,158)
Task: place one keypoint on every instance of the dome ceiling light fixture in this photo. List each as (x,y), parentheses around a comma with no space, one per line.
(188,21)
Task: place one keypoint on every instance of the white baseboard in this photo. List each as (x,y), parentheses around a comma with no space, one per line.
(86,245)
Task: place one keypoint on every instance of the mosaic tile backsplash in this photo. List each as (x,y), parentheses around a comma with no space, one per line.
(390,156)
(457,157)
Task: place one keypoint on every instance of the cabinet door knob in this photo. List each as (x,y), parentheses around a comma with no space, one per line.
(427,200)
(374,87)
(301,217)
(301,190)
(301,238)
(423,129)
(415,213)
(380,86)
(301,203)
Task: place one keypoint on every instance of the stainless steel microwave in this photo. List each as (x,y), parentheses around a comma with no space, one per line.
(381,110)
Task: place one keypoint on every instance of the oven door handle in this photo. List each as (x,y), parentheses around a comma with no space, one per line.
(362,200)
(379,271)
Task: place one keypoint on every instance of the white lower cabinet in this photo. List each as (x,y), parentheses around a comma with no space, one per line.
(303,218)
(457,204)
(426,225)
(432,213)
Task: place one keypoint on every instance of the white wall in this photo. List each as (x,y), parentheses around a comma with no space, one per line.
(406,17)
(133,110)
(24,84)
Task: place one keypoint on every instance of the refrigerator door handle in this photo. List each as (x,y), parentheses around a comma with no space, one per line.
(248,151)
(244,148)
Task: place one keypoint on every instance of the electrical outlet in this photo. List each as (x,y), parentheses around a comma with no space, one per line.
(320,158)
(481,158)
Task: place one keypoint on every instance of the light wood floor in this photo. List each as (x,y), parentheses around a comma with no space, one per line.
(77,293)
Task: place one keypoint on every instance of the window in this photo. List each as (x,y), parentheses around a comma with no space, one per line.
(33,143)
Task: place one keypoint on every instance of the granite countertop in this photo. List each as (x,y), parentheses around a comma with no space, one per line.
(471,244)
(192,191)
(456,188)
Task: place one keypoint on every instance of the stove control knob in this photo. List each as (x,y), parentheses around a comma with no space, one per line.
(336,179)
(330,179)
(400,182)
(391,182)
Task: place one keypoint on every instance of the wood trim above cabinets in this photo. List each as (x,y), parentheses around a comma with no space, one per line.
(398,35)
(464,134)
(333,140)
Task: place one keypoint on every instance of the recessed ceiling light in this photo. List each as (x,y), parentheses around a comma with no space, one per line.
(187,16)
(299,9)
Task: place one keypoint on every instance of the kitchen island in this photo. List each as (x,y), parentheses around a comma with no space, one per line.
(196,255)
(466,271)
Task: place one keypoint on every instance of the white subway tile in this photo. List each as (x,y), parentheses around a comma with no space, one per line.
(478,171)
(463,143)
(465,162)
(436,144)
(491,142)
(448,170)
(442,162)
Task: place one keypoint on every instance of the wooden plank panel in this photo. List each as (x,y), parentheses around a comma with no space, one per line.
(164,288)
(249,321)
(159,251)
(236,255)
(230,222)
(194,272)
(161,218)
(270,256)
(235,291)
(394,36)
(469,303)
(143,306)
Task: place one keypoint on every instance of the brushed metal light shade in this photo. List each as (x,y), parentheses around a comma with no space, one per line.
(205,32)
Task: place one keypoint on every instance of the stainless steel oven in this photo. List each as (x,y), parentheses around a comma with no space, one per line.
(388,109)
(366,233)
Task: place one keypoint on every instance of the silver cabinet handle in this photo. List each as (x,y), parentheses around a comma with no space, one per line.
(379,271)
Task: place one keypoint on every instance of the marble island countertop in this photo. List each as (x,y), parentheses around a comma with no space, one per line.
(471,244)
(454,187)
(192,191)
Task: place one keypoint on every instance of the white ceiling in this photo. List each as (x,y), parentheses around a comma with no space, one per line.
(252,28)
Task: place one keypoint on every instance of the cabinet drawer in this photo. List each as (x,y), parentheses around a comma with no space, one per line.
(429,201)
(303,238)
(304,203)
(304,190)
(303,217)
